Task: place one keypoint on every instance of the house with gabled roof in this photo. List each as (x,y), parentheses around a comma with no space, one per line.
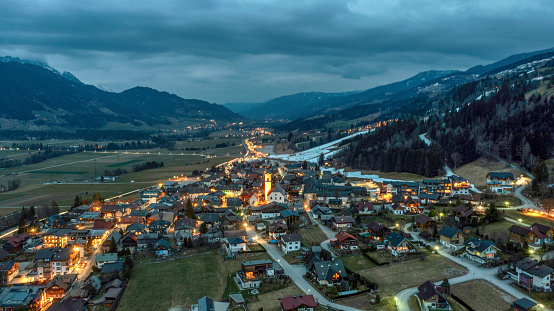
(531,274)
(500,182)
(365,208)
(290,242)
(432,297)
(345,241)
(450,237)
(270,210)
(162,248)
(343,222)
(277,194)
(377,231)
(330,272)
(318,210)
(480,251)
(424,222)
(298,303)
(397,244)
(277,229)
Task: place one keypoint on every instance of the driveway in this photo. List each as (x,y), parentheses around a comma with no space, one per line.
(293,272)
(475,272)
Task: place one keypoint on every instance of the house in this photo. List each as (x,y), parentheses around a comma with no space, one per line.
(56,237)
(346,241)
(70,304)
(147,240)
(397,244)
(129,240)
(426,198)
(432,297)
(532,275)
(500,182)
(185,224)
(111,296)
(480,251)
(8,270)
(208,304)
(21,296)
(252,272)
(424,222)
(101,259)
(319,210)
(136,228)
(254,200)
(330,272)
(277,194)
(160,226)
(365,208)
(525,304)
(237,300)
(398,209)
(59,286)
(15,243)
(450,237)
(461,212)
(377,231)
(343,222)
(277,229)
(290,242)
(162,248)
(235,245)
(298,303)
(521,235)
(544,233)
(289,215)
(270,210)
(64,260)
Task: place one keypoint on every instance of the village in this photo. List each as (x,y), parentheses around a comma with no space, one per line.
(299,232)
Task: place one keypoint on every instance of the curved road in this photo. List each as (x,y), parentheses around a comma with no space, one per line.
(475,272)
(295,273)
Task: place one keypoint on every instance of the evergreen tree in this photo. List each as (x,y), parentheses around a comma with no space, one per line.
(189,210)
(113,246)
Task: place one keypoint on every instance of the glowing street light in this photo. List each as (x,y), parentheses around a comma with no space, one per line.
(395,298)
(519,220)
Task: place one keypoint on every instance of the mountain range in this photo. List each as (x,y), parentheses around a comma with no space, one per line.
(36,96)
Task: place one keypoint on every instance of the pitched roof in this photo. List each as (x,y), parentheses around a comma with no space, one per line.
(106,225)
(234,233)
(293,303)
(341,236)
(524,303)
(449,232)
(395,239)
(423,219)
(162,242)
(343,219)
(288,213)
(500,175)
(374,226)
(278,189)
(286,238)
(542,228)
(460,209)
(105,257)
(520,230)
(326,269)
(427,290)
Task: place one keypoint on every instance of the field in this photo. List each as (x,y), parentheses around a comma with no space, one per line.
(174,283)
(529,218)
(396,277)
(270,301)
(356,263)
(497,230)
(75,172)
(312,236)
(482,295)
(476,171)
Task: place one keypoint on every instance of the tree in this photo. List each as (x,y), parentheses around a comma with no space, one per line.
(189,210)
(377,299)
(446,286)
(22,224)
(203,228)
(97,199)
(77,201)
(542,250)
(113,246)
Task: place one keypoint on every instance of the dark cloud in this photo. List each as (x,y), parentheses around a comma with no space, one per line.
(222,50)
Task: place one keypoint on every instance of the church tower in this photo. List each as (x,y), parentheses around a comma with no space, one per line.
(267,184)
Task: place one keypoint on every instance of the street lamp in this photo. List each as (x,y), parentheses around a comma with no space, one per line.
(395,298)
(519,220)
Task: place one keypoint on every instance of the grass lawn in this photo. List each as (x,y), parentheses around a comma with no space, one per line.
(456,306)
(270,301)
(529,218)
(476,171)
(75,169)
(174,283)
(357,263)
(414,304)
(234,264)
(362,302)
(396,277)
(292,260)
(497,230)
(312,236)
(482,295)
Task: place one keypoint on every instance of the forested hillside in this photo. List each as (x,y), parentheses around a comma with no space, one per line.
(507,117)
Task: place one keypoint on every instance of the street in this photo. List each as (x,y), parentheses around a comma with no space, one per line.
(292,272)
(475,272)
